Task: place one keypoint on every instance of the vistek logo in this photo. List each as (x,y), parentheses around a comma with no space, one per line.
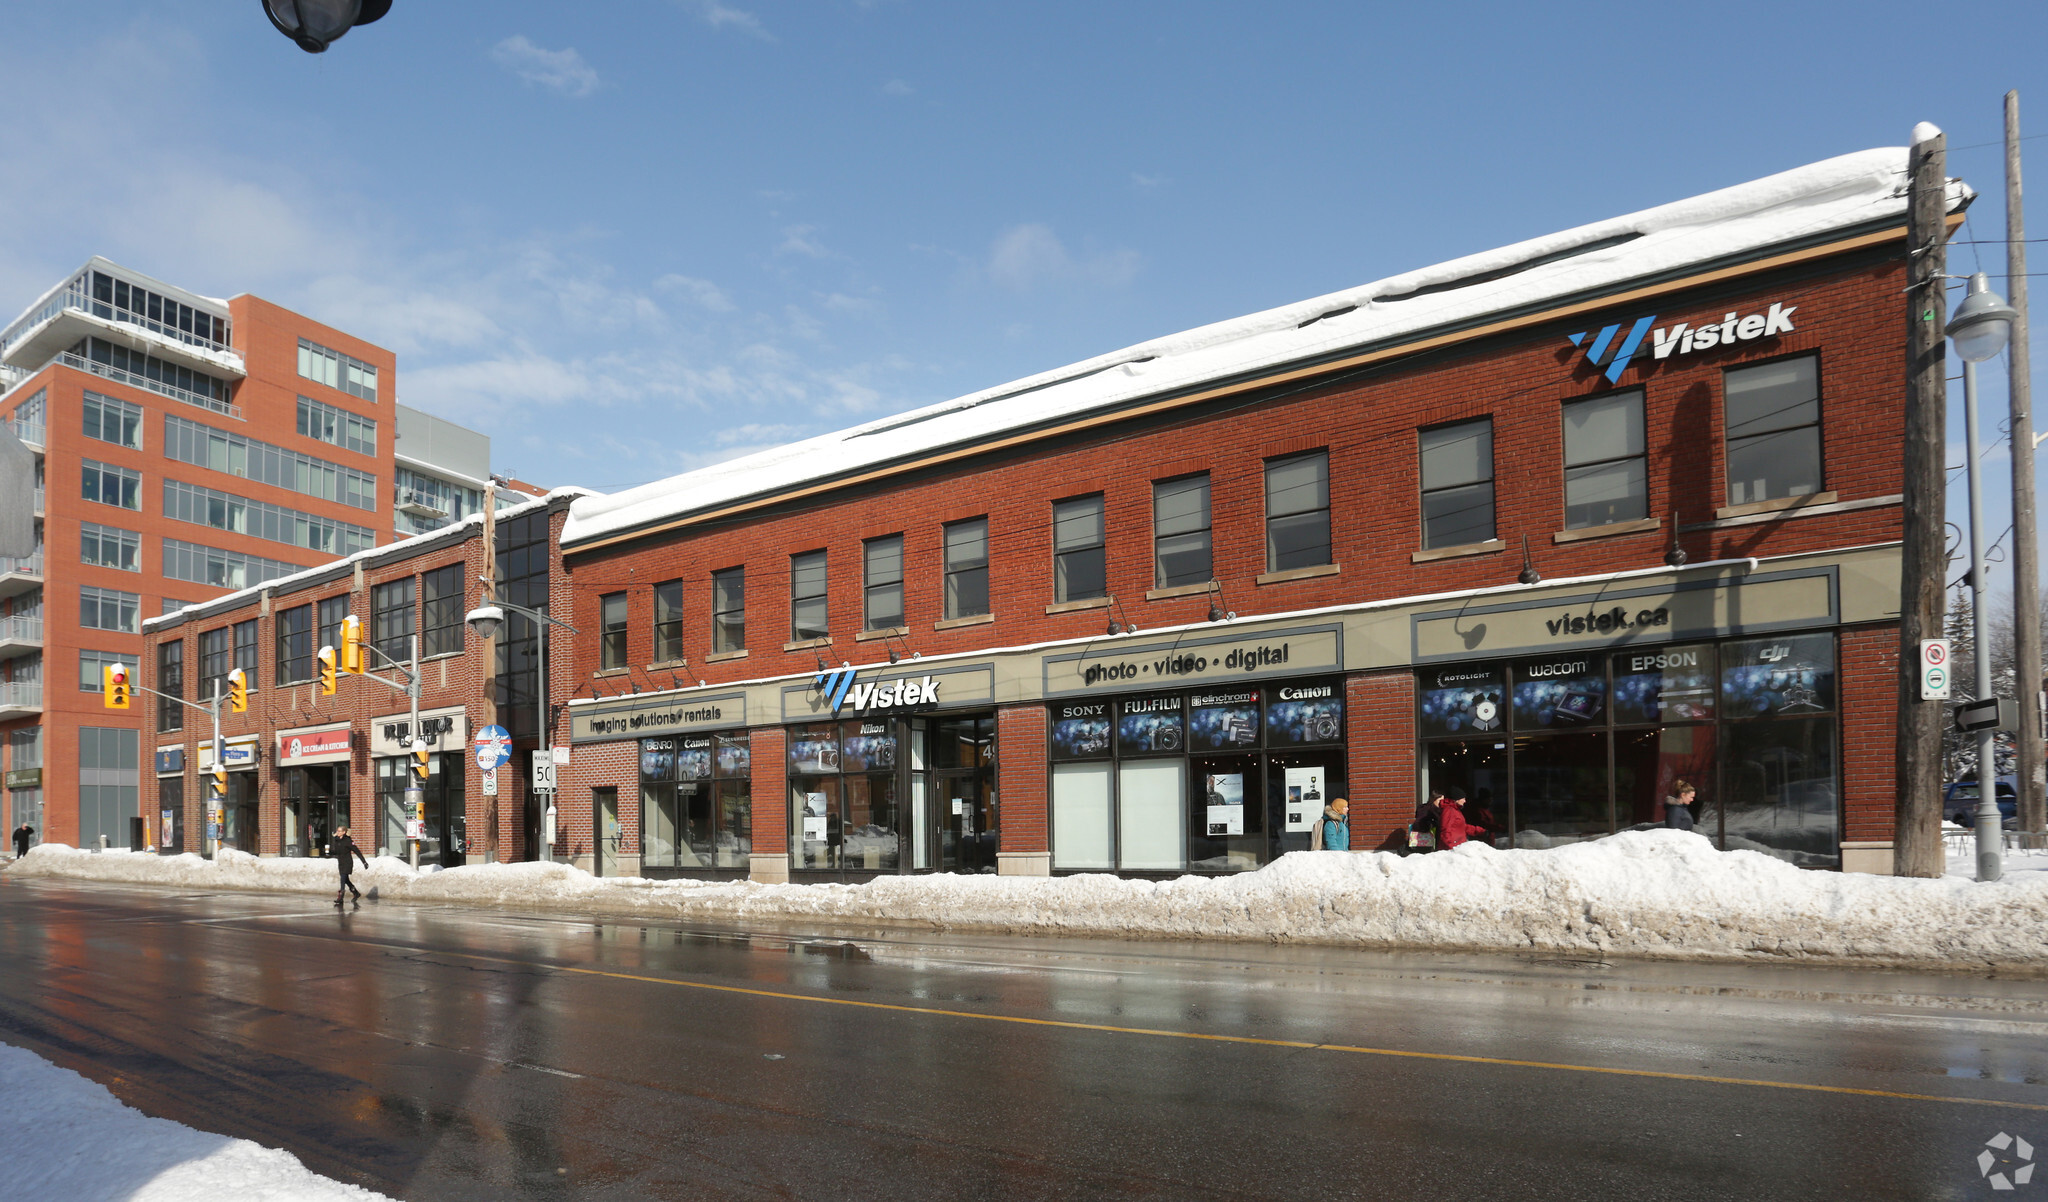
(835,685)
(1606,352)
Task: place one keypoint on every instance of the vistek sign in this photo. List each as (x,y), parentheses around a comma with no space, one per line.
(1613,349)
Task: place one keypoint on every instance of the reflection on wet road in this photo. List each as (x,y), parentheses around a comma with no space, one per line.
(433,1052)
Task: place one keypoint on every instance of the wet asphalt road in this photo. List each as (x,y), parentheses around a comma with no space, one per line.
(440,1053)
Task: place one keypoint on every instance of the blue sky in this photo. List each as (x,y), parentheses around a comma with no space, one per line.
(628,237)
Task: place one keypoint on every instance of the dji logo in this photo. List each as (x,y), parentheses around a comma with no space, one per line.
(1772,655)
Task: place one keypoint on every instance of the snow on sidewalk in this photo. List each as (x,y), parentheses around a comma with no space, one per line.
(67,1137)
(1641,893)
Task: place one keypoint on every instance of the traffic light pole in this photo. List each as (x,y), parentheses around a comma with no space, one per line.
(415,795)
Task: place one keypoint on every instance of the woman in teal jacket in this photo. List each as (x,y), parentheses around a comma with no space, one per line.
(1333,830)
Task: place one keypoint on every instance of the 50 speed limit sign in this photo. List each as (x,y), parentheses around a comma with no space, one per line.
(1934,669)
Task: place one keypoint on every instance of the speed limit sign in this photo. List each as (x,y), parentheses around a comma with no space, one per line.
(1934,669)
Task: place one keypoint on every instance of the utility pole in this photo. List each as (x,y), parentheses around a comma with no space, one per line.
(1916,834)
(490,659)
(415,793)
(2026,587)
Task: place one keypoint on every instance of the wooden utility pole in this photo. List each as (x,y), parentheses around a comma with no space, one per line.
(1916,836)
(2026,572)
(490,659)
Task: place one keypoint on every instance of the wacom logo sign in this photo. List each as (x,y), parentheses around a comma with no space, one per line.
(1611,349)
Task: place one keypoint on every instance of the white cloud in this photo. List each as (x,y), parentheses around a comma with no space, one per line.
(562,70)
(797,240)
(857,306)
(897,87)
(1140,180)
(1025,256)
(723,16)
(702,293)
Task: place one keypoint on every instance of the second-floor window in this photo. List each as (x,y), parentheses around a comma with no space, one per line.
(1773,415)
(1606,478)
(170,678)
(391,623)
(729,611)
(110,485)
(216,656)
(113,421)
(882,582)
(967,568)
(295,644)
(108,609)
(1298,511)
(1457,484)
(611,642)
(441,611)
(808,617)
(1180,532)
(332,611)
(668,622)
(245,651)
(1080,566)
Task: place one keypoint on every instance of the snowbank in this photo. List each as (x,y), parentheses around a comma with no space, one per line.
(67,1137)
(1640,893)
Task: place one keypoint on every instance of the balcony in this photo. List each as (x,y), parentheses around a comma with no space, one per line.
(110,372)
(19,575)
(21,635)
(20,699)
(421,504)
(69,315)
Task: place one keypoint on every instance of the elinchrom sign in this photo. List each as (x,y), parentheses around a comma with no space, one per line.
(1613,349)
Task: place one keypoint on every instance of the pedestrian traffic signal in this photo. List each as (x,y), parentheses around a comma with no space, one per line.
(238,692)
(419,762)
(114,686)
(327,671)
(352,645)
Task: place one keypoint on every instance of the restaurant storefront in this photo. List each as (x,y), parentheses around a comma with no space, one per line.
(313,771)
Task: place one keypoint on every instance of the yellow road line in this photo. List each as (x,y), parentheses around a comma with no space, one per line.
(1252,1040)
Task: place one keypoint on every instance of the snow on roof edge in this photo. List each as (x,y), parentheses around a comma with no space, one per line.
(1802,203)
(368,555)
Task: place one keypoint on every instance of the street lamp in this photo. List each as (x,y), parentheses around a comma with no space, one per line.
(484,621)
(316,24)
(1980,328)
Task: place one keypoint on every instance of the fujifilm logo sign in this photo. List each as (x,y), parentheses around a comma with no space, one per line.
(1612,349)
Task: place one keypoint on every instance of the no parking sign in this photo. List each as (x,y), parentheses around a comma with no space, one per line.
(1934,669)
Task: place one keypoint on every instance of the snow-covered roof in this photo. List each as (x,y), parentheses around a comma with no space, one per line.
(1803,205)
(368,557)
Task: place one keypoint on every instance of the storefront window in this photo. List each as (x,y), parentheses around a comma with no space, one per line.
(696,811)
(1212,780)
(1591,743)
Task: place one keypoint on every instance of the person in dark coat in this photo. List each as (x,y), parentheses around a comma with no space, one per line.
(344,848)
(1678,806)
(23,836)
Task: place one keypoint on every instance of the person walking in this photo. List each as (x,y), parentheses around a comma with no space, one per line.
(344,848)
(23,836)
(1678,806)
(1332,832)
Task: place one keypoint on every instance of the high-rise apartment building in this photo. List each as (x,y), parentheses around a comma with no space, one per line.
(186,446)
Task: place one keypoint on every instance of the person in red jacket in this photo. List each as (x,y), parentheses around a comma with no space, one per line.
(1452,828)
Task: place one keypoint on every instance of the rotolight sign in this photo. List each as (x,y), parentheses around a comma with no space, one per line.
(1612,349)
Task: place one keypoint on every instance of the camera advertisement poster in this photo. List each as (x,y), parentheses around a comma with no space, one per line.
(1304,800)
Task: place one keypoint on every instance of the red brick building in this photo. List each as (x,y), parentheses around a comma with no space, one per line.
(1561,525)
(300,762)
(187,446)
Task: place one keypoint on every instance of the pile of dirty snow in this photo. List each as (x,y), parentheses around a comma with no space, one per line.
(1642,893)
(67,1137)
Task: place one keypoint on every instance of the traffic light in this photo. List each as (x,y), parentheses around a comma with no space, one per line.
(238,692)
(419,762)
(352,645)
(327,671)
(220,769)
(115,691)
